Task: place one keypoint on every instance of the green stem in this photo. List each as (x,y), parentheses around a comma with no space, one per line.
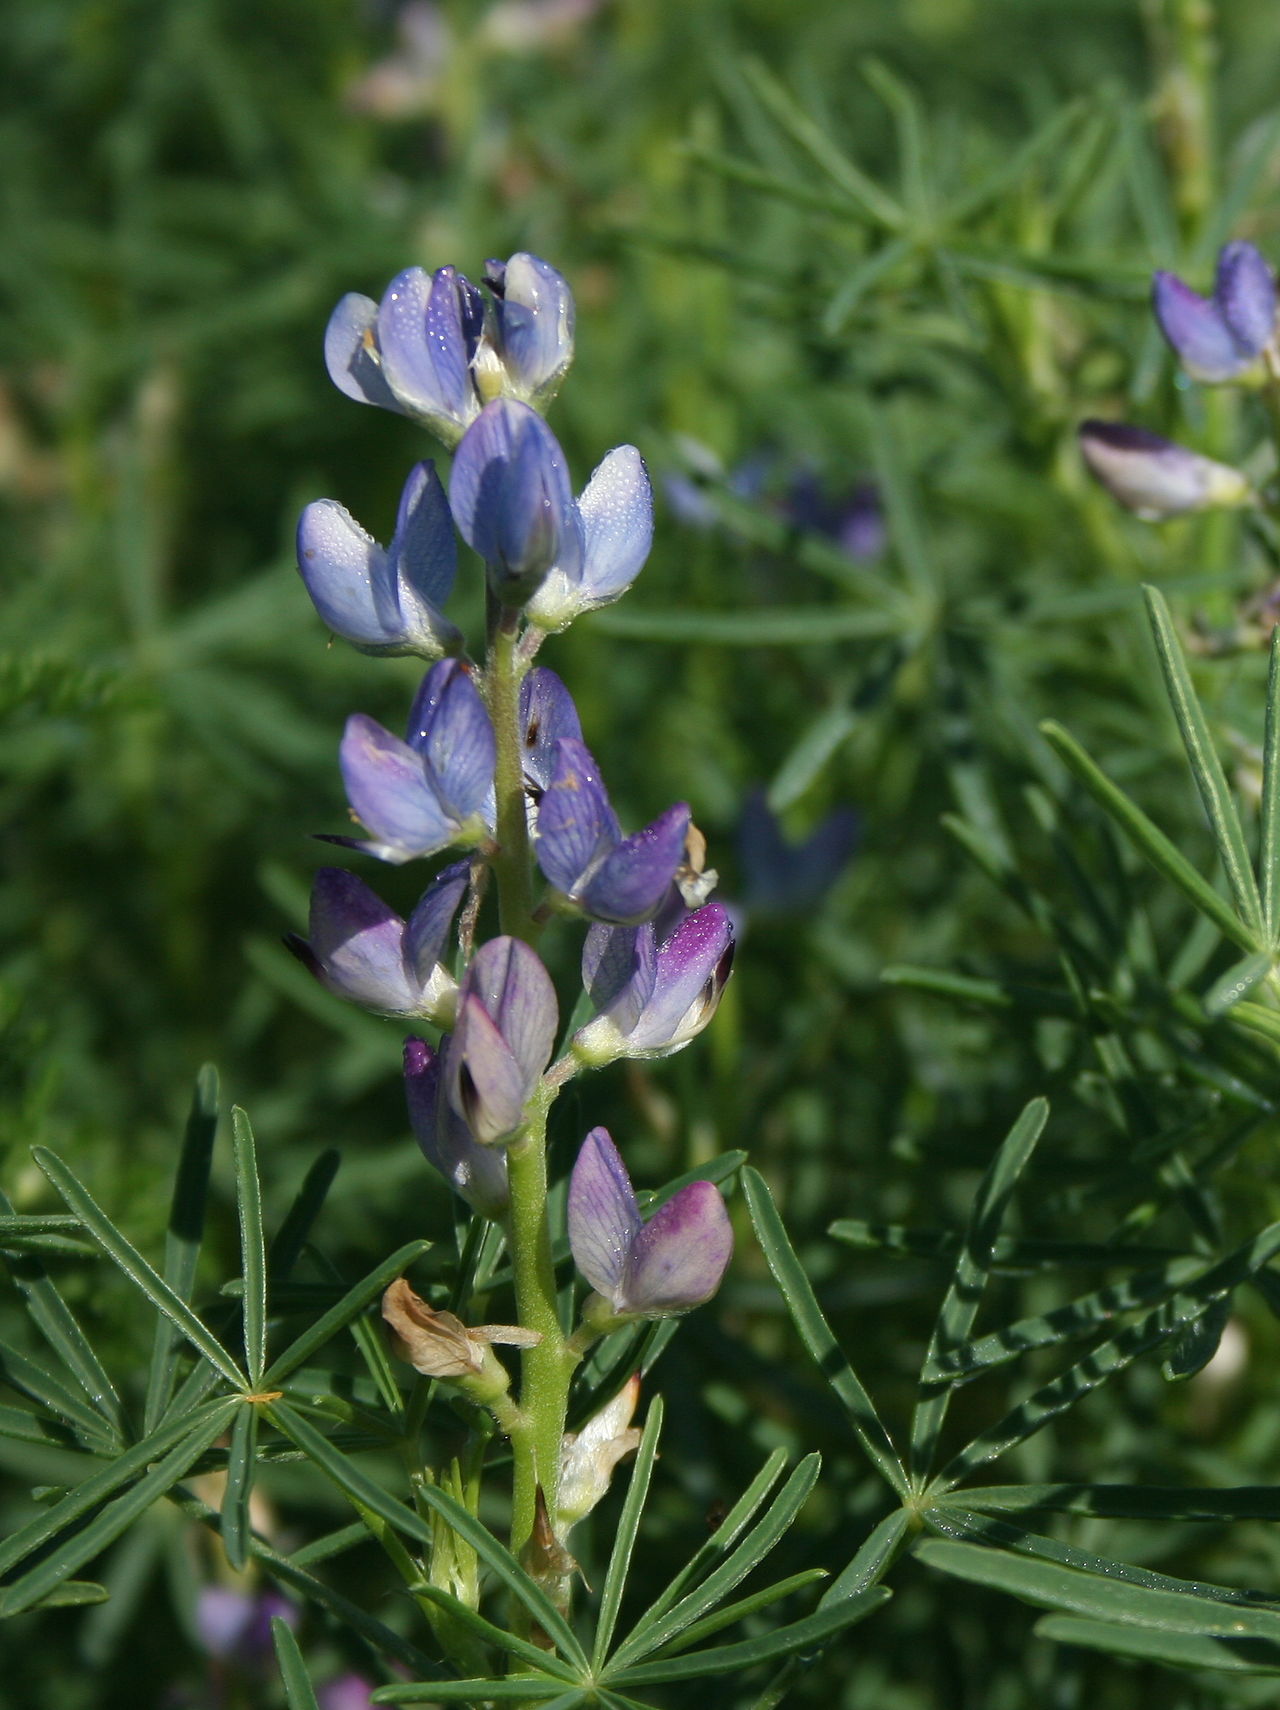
(512,860)
(546,1368)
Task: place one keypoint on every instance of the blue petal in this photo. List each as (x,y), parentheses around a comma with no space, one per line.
(1245,293)
(428,925)
(602,1214)
(1195,328)
(632,882)
(423,553)
(450,727)
(389,794)
(347,576)
(511,497)
(547,714)
(350,353)
(576,825)
(356,943)
(535,318)
(424,355)
(510,981)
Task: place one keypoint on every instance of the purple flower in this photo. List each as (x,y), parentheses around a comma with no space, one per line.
(435,789)
(783,877)
(384,600)
(512,501)
(362,950)
(235,1626)
(651,996)
(436,350)
(615,515)
(345,1692)
(582,852)
(502,1041)
(1221,337)
(643,1270)
(547,714)
(478,1173)
(1153,476)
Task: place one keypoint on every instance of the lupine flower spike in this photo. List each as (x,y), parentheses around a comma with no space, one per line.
(363,951)
(642,1270)
(436,349)
(435,789)
(384,600)
(1156,478)
(1223,337)
(652,997)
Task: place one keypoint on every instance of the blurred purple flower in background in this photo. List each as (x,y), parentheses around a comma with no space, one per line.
(235,1626)
(1223,337)
(781,877)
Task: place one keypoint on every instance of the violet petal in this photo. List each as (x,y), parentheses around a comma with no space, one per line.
(604,1219)
(353,365)
(678,1258)
(390,795)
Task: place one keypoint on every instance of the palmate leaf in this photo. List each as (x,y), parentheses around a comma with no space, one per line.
(651,1632)
(1149,840)
(57,1324)
(973,1266)
(183,1237)
(1111,1357)
(1234,1654)
(1079,1317)
(1206,768)
(541,1661)
(136,1268)
(955,1523)
(253,1253)
(1129,1501)
(615,1579)
(342,1313)
(242,1459)
(298,1691)
(1107,1599)
(366,1494)
(76,1547)
(804,1635)
(816,1333)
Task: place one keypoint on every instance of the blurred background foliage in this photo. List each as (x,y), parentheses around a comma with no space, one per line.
(903,242)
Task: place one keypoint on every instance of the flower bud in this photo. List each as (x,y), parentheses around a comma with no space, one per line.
(588,1457)
(642,1270)
(502,1041)
(1156,478)
(512,502)
(478,1173)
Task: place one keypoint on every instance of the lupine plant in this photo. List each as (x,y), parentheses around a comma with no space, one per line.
(1035,1347)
